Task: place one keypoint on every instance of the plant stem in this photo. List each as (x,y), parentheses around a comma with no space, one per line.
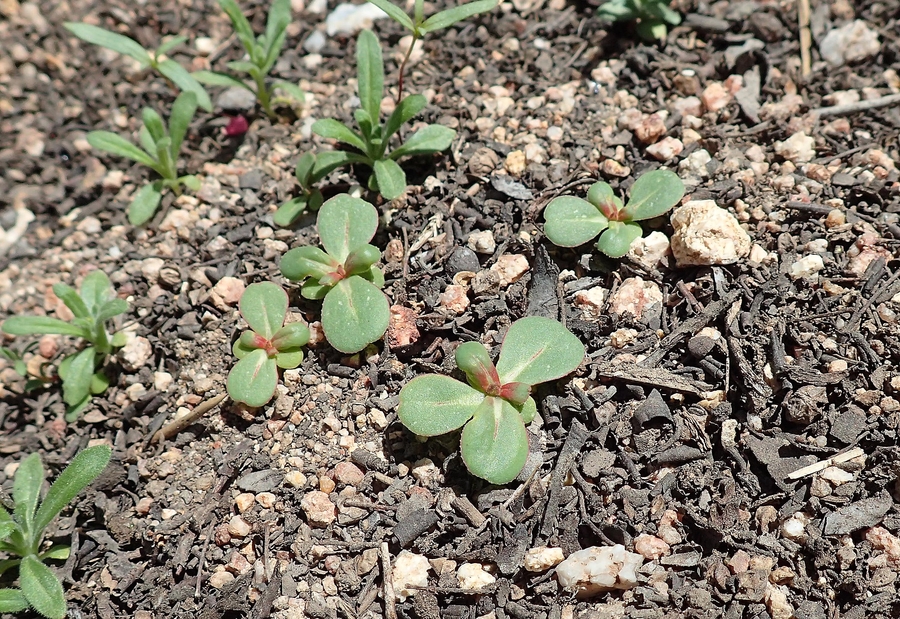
(403,67)
(262,93)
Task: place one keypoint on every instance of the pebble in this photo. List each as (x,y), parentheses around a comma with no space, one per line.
(798,148)
(510,268)
(882,539)
(650,547)
(236,99)
(426,472)
(694,165)
(315,42)
(351,18)
(454,298)
(620,338)
(715,97)
(542,558)
(205,45)
(136,352)
(266,500)
(48,346)
(472,576)
(482,242)
(635,296)
(348,474)
(238,527)
(244,501)
(849,43)
(777,602)
(227,292)
(402,330)
(409,570)
(598,569)
(319,510)
(666,149)
(650,250)
(591,302)
(807,267)
(651,128)
(515,162)
(706,235)
(217,580)
(794,528)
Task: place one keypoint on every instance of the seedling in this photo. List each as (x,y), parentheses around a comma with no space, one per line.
(262,53)
(310,170)
(160,148)
(81,373)
(651,16)
(572,221)
(17,359)
(372,140)
(419,26)
(154,59)
(22,532)
(496,404)
(355,312)
(269,344)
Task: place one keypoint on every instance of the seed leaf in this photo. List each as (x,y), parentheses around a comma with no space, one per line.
(431,405)
(494,445)
(571,221)
(288,212)
(653,194)
(253,379)
(302,262)
(536,350)
(264,306)
(616,241)
(346,223)
(42,588)
(354,314)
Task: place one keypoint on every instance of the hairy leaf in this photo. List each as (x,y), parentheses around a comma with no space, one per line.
(27,491)
(212,78)
(370,74)
(39,325)
(390,177)
(334,130)
(42,588)
(183,111)
(426,141)
(117,145)
(78,376)
(110,40)
(144,204)
(12,601)
(395,13)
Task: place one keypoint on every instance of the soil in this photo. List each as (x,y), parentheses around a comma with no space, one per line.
(692,436)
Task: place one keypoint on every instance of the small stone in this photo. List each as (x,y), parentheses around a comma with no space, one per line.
(48,346)
(326,484)
(238,527)
(694,165)
(295,479)
(236,99)
(591,302)
(777,602)
(349,18)
(636,297)
(482,242)
(483,161)
(217,580)
(319,510)
(510,268)
(620,338)
(650,129)
(798,148)
(143,506)
(409,570)
(472,576)
(454,298)
(849,43)
(515,163)
(348,474)
(136,352)
(807,267)
(315,42)
(707,235)
(715,97)
(794,528)
(650,250)
(666,149)
(542,558)
(611,167)
(598,569)
(266,500)
(204,45)
(650,547)
(402,330)
(244,501)
(227,292)
(426,472)
(835,218)
(688,106)
(838,365)
(884,540)
(836,476)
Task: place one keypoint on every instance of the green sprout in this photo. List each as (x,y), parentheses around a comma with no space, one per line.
(355,312)
(22,532)
(17,359)
(494,407)
(154,59)
(82,373)
(651,16)
(159,152)
(419,26)
(269,344)
(372,139)
(262,53)
(310,170)
(571,221)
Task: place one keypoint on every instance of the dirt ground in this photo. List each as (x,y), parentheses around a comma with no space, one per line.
(690,422)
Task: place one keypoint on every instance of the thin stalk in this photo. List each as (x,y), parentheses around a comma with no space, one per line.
(262,93)
(403,68)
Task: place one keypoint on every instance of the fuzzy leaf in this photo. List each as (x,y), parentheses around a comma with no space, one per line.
(293,91)
(653,194)
(346,223)
(96,291)
(72,300)
(183,111)
(536,350)
(27,491)
(12,601)
(144,204)
(212,78)
(304,170)
(84,468)
(616,241)
(354,314)
(39,325)
(154,124)
(302,262)
(78,376)
(253,379)
(395,13)
(117,145)
(333,159)
(390,177)
(110,40)
(405,111)
(42,588)
(264,306)
(494,445)
(370,74)
(334,130)
(288,212)
(278,19)
(169,45)
(427,140)
(448,17)
(238,21)
(432,405)
(571,221)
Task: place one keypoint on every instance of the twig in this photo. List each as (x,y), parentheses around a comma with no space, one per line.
(209,535)
(859,106)
(174,427)
(805,37)
(390,604)
(824,464)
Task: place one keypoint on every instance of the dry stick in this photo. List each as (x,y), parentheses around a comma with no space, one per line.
(805,37)
(174,427)
(390,607)
(859,106)
(403,67)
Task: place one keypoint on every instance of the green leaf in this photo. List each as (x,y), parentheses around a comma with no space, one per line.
(344,224)
(334,130)
(110,40)
(395,13)
(154,124)
(185,82)
(651,29)
(238,21)
(432,405)
(403,113)
(427,140)
(99,382)
(663,12)
(144,204)
(314,291)
(191,182)
(264,306)
(211,78)
(73,412)
(304,170)
(117,145)
(183,111)
(39,325)
(615,241)
(12,601)
(475,361)
(84,468)
(390,177)
(600,193)
(77,381)
(370,74)
(528,410)
(361,259)
(289,359)
(448,17)
(617,10)
(653,194)
(60,553)
(354,314)
(253,379)
(419,11)
(147,141)
(42,588)
(27,491)
(293,91)
(571,221)
(72,300)
(333,159)
(291,337)
(169,45)
(536,350)
(278,19)
(6,528)
(273,51)
(243,66)
(302,262)
(111,308)
(494,445)
(96,291)
(289,211)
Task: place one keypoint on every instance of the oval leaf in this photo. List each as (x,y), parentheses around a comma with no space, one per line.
(27,490)
(291,337)
(84,468)
(427,140)
(571,221)
(404,112)
(96,290)
(346,223)
(390,177)
(79,375)
(253,379)
(289,211)
(536,350)
(370,74)
(494,445)
(42,588)
(334,130)
(302,262)
(616,241)
(354,314)
(144,204)
(264,306)
(12,601)
(653,194)
(433,405)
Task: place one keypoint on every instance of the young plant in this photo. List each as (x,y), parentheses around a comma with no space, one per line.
(159,151)
(496,404)
(22,532)
(310,170)
(651,16)
(372,139)
(269,344)
(154,59)
(17,359)
(262,53)
(81,373)
(571,221)
(419,26)
(355,312)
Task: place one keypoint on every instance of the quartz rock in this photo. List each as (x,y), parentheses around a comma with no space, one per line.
(598,569)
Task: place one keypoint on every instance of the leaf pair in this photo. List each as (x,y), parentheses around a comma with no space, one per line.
(21,532)
(372,140)
(159,150)
(92,308)
(262,53)
(355,312)
(496,404)
(155,59)
(310,170)
(571,221)
(268,345)
(419,26)
(652,16)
